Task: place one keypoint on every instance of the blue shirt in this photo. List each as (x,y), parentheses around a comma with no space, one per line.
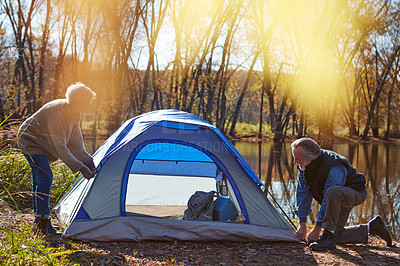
(336,177)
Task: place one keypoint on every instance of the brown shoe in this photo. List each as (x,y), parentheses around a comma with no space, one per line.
(43,224)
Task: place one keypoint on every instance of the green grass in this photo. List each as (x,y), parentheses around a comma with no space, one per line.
(20,244)
(245,129)
(88,125)
(16,179)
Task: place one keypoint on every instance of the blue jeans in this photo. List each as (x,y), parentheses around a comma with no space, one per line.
(42,178)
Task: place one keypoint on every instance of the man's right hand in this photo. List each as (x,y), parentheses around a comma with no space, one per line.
(302,231)
(86,173)
(91,165)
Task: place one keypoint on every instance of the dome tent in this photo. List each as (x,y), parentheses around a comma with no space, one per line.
(147,171)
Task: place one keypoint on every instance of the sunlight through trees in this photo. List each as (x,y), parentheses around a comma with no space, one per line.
(325,67)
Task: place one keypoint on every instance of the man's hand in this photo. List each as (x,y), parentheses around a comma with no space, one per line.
(302,231)
(86,173)
(314,235)
(91,166)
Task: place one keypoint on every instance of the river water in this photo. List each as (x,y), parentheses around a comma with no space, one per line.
(380,163)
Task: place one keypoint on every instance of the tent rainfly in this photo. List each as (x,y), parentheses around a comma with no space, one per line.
(149,169)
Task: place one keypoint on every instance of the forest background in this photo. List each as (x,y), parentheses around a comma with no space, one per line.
(325,67)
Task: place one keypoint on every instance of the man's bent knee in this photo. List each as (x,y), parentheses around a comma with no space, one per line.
(334,192)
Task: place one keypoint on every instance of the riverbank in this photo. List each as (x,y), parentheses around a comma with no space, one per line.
(8,137)
(35,249)
(320,139)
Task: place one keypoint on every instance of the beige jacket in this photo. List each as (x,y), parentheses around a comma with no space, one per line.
(54,132)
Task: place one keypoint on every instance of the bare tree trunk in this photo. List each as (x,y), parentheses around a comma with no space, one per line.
(43,53)
(86,40)
(261,113)
(31,63)
(69,19)
(20,18)
(378,90)
(389,110)
(302,127)
(225,62)
(375,122)
(241,96)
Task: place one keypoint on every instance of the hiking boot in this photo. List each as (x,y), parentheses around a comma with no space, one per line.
(43,224)
(325,242)
(377,227)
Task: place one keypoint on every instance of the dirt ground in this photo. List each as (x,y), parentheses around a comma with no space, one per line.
(215,253)
(235,253)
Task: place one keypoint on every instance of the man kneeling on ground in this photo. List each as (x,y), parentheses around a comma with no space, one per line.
(328,178)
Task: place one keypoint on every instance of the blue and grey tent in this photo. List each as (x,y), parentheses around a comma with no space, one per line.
(149,169)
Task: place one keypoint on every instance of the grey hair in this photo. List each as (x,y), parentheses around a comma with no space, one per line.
(78,92)
(311,149)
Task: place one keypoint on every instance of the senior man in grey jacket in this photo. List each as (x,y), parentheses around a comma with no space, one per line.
(53,133)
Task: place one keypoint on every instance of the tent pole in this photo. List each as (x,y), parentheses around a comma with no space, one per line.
(290,220)
(78,203)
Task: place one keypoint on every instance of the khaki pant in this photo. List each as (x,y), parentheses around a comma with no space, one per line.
(339,201)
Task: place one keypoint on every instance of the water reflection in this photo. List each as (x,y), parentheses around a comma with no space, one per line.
(378,162)
(273,163)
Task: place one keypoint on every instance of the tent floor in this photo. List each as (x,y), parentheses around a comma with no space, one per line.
(174,212)
(157,210)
